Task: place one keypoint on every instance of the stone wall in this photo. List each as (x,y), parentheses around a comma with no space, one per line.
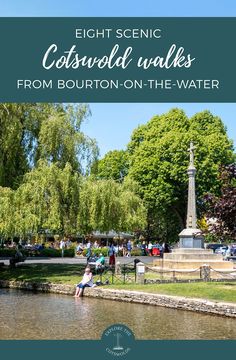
(175,302)
(35,286)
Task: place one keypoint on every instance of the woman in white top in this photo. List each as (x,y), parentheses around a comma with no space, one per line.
(87,281)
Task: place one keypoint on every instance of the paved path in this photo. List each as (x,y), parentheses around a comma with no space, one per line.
(82,260)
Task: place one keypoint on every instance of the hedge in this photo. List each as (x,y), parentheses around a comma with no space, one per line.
(7,252)
(36,253)
(56,252)
(136,252)
(97,252)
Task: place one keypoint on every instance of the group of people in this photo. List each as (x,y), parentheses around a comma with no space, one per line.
(65,244)
(154,249)
(112,253)
(124,248)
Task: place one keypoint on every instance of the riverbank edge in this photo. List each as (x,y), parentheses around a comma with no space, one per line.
(169,301)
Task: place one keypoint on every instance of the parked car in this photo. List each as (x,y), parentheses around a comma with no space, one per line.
(233,251)
(221,250)
(230,253)
(214,246)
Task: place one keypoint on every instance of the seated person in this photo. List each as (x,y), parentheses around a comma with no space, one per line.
(79,248)
(87,281)
(100,262)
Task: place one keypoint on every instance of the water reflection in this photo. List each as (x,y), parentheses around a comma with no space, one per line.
(27,315)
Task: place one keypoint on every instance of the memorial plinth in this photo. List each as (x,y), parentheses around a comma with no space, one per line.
(190,259)
(191,239)
(191,253)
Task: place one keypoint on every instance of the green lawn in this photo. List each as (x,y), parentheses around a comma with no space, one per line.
(222,291)
(71,274)
(54,273)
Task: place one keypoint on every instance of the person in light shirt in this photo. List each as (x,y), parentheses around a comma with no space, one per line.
(87,281)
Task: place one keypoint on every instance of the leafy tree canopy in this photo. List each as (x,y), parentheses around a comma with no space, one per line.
(30,132)
(159,159)
(58,200)
(114,166)
(107,205)
(222,209)
(48,199)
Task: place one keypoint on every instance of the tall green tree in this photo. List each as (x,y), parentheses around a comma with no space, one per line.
(107,205)
(133,210)
(7,220)
(158,154)
(61,140)
(114,165)
(30,132)
(48,199)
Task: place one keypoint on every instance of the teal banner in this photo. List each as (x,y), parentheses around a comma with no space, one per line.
(138,350)
(117,60)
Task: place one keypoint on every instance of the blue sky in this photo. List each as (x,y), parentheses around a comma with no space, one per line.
(117,8)
(112,124)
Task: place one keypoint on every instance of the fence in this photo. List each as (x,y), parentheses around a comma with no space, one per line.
(127,274)
(116,275)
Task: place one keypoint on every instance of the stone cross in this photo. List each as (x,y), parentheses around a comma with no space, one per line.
(191,237)
(191,211)
(191,150)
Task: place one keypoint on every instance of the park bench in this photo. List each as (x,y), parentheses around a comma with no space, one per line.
(13,260)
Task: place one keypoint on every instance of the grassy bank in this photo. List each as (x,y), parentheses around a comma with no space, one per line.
(54,273)
(222,291)
(72,274)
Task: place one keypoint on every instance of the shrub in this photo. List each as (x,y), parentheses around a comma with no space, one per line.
(50,252)
(136,252)
(56,252)
(7,252)
(84,252)
(69,252)
(103,251)
(47,252)
(96,252)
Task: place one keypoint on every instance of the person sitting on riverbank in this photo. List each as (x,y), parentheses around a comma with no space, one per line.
(87,281)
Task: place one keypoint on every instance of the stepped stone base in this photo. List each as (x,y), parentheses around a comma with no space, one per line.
(185,258)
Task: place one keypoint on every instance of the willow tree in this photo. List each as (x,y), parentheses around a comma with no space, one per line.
(61,140)
(107,205)
(48,199)
(7,218)
(30,132)
(134,213)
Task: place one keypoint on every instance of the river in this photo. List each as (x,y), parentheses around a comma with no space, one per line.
(29,315)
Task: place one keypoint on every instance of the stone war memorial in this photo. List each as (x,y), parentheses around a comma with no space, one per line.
(191,254)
